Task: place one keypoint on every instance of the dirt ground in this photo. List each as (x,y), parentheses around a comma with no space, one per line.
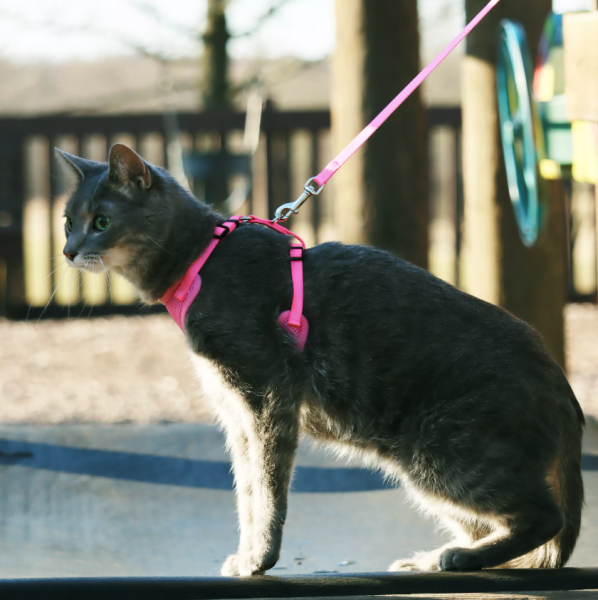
(136,370)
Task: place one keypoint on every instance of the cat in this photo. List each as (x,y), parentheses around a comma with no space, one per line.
(453,397)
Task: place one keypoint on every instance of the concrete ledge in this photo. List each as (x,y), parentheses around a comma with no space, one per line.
(300,586)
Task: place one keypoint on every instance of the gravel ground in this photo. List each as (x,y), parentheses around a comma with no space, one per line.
(136,370)
(105,370)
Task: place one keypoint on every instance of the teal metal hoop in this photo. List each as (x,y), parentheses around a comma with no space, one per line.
(514,75)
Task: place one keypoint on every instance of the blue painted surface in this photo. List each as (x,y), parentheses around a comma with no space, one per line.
(156,500)
(167,470)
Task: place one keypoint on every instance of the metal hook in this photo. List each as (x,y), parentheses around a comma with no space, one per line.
(284,211)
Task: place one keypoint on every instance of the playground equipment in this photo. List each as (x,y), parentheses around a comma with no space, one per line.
(541,139)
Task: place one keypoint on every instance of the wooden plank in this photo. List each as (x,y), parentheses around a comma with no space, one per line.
(301,586)
(154,122)
(61,124)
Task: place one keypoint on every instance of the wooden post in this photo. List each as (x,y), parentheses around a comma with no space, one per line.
(529,282)
(381,194)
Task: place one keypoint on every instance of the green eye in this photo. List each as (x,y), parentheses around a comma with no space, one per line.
(101,222)
(69,224)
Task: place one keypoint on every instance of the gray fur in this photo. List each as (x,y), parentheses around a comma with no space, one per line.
(451,396)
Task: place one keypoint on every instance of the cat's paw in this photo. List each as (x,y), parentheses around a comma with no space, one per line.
(230,568)
(420,561)
(459,559)
(240,566)
(404,564)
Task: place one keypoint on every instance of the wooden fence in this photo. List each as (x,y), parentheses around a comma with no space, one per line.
(34,282)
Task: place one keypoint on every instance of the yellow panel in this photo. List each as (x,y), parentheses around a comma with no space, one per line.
(546,85)
(549,169)
(585,154)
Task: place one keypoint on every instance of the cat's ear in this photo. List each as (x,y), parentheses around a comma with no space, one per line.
(126,166)
(73,166)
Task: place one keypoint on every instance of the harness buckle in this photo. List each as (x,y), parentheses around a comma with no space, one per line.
(299,248)
(220,236)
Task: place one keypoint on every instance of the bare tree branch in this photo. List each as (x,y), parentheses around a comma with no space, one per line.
(57,27)
(145,7)
(269,13)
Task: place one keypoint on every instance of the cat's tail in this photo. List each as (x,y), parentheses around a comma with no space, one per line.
(566,482)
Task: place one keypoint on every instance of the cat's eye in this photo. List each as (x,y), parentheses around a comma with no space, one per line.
(101,222)
(69,224)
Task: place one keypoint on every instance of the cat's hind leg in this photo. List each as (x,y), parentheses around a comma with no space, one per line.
(525,529)
(465,532)
(480,544)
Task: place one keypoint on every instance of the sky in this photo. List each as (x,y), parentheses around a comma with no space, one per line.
(61,30)
(64,30)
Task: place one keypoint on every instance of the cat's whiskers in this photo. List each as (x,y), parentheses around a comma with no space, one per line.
(93,295)
(93,260)
(140,261)
(108,280)
(44,279)
(51,259)
(155,242)
(52,296)
(83,297)
(68,306)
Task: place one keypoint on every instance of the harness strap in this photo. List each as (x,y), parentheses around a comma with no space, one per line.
(297,277)
(179,297)
(271,224)
(220,231)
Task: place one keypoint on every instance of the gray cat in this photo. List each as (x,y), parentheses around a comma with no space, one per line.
(451,396)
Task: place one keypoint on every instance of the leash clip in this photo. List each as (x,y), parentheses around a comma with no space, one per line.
(286,210)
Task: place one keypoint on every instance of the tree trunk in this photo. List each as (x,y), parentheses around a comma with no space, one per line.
(381,193)
(215,59)
(215,91)
(529,282)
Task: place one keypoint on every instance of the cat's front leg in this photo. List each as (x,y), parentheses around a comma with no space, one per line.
(238,444)
(272,446)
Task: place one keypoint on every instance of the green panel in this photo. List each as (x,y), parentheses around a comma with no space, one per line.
(557,130)
(559,146)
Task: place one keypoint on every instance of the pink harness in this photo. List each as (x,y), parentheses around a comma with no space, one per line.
(179,297)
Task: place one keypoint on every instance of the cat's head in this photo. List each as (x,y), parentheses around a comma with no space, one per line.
(117,216)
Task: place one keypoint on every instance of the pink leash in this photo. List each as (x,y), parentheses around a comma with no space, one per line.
(179,297)
(286,210)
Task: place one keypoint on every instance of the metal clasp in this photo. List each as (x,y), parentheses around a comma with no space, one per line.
(286,210)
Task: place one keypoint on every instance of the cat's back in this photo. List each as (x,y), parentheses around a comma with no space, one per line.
(343,280)
(386,325)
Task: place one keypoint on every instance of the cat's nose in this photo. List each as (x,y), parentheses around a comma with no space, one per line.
(70,255)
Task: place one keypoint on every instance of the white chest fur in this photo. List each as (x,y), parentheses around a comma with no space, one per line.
(227,403)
